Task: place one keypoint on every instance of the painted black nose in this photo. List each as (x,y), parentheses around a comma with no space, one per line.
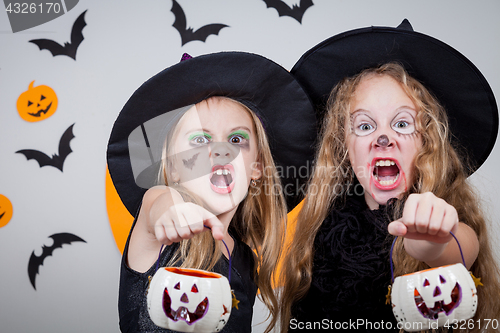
(383,140)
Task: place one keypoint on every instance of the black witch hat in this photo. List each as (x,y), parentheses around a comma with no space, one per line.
(262,85)
(450,76)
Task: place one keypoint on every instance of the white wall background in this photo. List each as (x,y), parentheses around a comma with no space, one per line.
(126,42)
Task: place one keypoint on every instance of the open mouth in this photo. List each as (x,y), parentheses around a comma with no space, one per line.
(439,306)
(182,313)
(40,112)
(221,180)
(386,173)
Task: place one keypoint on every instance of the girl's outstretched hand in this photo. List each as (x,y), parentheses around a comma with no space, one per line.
(172,220)
(426,217)
(183,221)
(426,224)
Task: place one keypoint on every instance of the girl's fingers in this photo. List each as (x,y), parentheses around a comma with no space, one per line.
(185,220)
(450,222)
(437,217)
(426,217)
(397,228)
(409,213)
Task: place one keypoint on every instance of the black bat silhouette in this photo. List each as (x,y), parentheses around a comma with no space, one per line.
(35,262)
(69,49)
(57,160)
(297,12)
(190,162)
(187,34)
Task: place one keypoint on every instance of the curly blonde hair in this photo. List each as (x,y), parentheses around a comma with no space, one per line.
(439,168)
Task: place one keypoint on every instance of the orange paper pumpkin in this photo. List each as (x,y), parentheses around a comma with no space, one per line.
(6,210)
(37,103)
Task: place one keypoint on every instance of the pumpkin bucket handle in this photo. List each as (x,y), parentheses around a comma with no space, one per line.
(394,242)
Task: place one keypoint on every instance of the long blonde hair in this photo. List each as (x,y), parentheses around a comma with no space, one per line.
(438,169)
(259,221)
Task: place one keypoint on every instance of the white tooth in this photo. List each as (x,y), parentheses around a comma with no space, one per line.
(382,163)
(224,172)
(377,163)
(392,163)
(387,162)
(219,172)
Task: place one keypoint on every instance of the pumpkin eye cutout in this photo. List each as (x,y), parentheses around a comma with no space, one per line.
(442,279)
(178,286)
(37,111)
(426,283)
(194,288)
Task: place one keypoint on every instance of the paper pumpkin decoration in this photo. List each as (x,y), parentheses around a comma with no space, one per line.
(6,210)
(37,103)
(189,300)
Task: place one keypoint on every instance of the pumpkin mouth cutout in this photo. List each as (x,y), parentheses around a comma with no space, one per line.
(439,306)
(41,111)
(182,313)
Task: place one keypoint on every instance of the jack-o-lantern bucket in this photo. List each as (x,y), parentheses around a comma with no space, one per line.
(189,300)
(431,298)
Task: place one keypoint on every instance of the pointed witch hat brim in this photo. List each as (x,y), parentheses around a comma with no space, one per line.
(262,85)
(450,76)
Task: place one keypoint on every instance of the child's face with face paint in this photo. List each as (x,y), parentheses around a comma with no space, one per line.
(382,138)
(215,153)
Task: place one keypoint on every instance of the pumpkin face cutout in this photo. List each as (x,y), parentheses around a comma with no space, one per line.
(189,300)
(434,296)
(37,103)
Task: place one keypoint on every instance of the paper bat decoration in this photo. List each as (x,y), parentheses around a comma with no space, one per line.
(187,34)
(190,162)
(57,160)
(35,262)
(69,49)
(296,12)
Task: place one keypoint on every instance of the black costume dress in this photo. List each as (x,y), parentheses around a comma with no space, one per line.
(351,271)
(132,301)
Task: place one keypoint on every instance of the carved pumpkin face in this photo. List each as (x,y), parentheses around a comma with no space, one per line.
(37,103)
(5,210)
(434,296)
(189,300)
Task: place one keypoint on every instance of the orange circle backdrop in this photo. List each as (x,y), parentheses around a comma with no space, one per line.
(119,218)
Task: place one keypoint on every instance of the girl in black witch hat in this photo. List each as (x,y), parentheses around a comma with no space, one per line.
(387,163)
(205,138)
